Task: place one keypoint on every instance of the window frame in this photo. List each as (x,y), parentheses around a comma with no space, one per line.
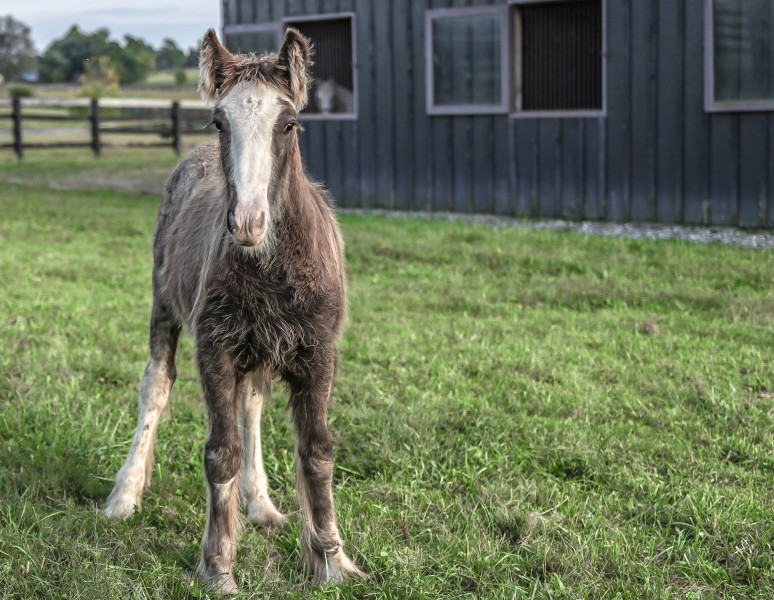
(515,67)
(506,93)
(350,116)
(710,104)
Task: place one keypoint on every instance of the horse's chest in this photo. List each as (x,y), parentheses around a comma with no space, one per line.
(267,324)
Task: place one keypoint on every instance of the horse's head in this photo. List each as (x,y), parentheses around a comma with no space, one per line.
(325,94)
(257,101)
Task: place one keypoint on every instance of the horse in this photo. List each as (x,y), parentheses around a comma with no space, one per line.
(248,256)
(333,98)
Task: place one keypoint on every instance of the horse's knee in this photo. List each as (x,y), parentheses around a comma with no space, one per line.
(222,459)
(155,386)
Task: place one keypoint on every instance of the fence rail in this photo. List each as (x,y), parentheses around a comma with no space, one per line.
(127,116)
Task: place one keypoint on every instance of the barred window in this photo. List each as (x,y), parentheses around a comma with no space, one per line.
(334,93)
(558,49)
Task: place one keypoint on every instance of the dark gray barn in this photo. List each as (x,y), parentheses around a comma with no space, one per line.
(622,110)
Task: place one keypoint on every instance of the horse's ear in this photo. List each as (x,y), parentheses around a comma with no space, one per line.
(294,65)
(214,61)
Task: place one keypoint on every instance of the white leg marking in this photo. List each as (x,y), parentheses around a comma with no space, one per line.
(254,484)
(217,575)
(323,567)
(135,473)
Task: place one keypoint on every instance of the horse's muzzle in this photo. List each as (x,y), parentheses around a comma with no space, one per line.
(247,225)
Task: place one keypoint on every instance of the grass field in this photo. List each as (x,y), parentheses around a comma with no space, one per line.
(160,84)
(518,414)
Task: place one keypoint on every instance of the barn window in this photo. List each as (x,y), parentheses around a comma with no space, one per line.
(558,56)
(466,60)
(265,37)
(334,92)
(739,55)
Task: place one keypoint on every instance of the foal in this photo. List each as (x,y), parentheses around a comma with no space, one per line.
(248,255)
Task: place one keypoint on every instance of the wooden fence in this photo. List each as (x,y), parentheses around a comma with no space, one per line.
(168,121)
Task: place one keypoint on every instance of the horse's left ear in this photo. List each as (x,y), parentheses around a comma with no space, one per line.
(294,64)
(214,62)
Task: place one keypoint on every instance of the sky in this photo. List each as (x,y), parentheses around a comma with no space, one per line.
(185,21)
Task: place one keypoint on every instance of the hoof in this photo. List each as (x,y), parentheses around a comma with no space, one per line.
(264,515)
(333,569)
(217,582)
(120,506)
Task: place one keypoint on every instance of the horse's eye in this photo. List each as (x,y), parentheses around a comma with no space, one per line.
(218,124)
(289,127)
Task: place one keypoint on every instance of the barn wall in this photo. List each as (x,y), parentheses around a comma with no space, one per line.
(656,155)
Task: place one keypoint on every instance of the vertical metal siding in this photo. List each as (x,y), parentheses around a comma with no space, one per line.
(422,148)
(644,108)
(402,107)
(384,106)
(669,130)
(618,125)
(367,119)
(695,121)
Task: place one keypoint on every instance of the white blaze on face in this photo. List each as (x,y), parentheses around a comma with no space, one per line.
(252,110)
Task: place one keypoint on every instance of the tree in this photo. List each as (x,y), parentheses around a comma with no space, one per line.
(67,58)
(192,58)
(17,52)
(133,61)
(100,79)
(169,56)
(143,51)
(64,59)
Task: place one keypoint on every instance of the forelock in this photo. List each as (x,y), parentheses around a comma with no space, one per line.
(254,68)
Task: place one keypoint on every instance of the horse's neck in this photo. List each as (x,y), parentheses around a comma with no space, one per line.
(298,189)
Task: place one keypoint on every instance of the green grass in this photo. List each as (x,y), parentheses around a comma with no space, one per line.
(167,78)
(160,85)
(504,425)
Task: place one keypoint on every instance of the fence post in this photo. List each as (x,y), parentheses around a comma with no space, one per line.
(176,126)
(18,146)
(94,118)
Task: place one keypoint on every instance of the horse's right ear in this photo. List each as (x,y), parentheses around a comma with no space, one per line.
(294,63)
(214,61)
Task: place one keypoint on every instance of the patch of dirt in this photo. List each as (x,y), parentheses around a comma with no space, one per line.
(150,180)
(146,181)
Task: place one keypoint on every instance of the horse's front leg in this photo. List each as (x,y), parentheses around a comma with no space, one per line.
(322,550)
(222,461)
(254,485)
(135,474)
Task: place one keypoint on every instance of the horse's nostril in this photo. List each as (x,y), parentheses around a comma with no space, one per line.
(231,222)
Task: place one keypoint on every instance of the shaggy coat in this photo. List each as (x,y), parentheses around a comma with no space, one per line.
(260,284)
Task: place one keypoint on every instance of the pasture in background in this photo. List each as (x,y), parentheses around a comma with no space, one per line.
(517,414)
(144,116)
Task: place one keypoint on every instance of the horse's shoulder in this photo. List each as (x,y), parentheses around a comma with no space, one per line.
(200,164)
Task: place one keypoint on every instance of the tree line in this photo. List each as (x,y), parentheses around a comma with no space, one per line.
(78,55)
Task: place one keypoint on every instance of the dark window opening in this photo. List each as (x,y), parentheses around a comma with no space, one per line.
(559,56)
(333,91)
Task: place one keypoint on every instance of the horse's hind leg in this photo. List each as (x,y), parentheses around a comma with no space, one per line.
(322,550)
(135,474)
(254,485)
